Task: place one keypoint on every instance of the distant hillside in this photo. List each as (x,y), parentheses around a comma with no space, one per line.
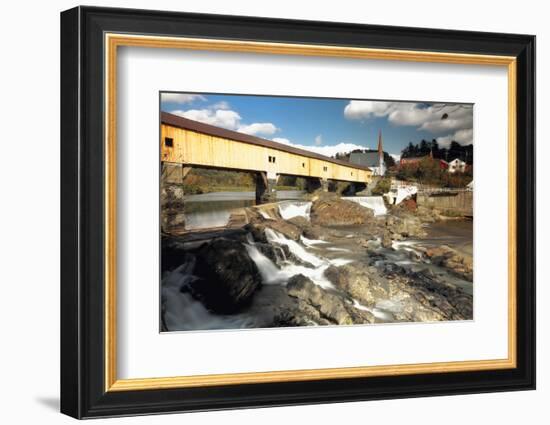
(455,150)
(202,180)
(388,158)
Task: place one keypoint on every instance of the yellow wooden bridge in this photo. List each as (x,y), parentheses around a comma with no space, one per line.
(190,143)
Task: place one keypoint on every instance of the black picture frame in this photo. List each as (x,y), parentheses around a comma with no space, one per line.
(83,392)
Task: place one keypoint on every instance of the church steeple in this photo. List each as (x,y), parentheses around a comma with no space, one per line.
(380,148)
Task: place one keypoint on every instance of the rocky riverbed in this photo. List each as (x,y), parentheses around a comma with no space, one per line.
(321,261)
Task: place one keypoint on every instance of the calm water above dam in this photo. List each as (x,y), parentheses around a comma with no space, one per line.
(214,209)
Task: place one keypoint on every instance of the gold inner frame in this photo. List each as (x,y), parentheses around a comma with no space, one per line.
(113,41)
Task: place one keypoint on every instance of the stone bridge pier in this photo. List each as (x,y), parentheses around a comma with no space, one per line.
(314,183)
(265,187)
(172,207)
(266,182)
(353,188)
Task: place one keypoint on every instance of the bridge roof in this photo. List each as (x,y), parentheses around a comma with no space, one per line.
(199,127)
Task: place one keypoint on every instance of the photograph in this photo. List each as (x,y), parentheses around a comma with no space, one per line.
(298,208)
(280,211)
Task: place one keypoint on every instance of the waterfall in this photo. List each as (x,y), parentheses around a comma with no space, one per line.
(294,247)
(375,203)
(310,243)
(290,209)
(182,312)
(271,274)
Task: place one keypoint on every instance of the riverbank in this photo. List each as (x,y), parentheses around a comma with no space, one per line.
(324,261)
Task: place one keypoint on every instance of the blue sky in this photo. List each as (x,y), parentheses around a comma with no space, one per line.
(327,125)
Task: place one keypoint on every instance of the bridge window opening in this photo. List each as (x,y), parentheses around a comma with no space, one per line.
(271,159)
(303,165)
(325,168)
(168,142)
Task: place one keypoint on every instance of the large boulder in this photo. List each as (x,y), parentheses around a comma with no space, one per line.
(387,239)
(329,306)
(338,212)
(227,276)
(173,253)
(427,215)
(257,228)
(432,298)
(458,263)
(309,231)
(406,226)
(358,283)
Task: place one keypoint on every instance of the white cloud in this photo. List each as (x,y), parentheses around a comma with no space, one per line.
(318,140)
(436,118)
(222,104)
(329,150)
(361,109)
(458,117)
(282,140)
(181,97)
(266,128)
(220,117)
(463,137)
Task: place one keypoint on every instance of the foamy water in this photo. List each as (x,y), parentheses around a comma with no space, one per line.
(375,203)
(376,312)
(294,247)
(311,243)
(271,274)
(183,312)
(291,209)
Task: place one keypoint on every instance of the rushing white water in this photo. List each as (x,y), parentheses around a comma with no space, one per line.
(336,249)
(271,274)
(376,312)
(375,203)
(408,246)
(264,214)
(340,262)
(290,209)
(311,242)
(294,247)
(182,312)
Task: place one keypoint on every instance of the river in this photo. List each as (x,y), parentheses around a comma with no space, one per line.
(214,209)
(309,257)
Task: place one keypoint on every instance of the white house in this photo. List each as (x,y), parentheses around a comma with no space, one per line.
(457,166)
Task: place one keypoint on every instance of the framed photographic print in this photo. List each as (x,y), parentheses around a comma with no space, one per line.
(261,212)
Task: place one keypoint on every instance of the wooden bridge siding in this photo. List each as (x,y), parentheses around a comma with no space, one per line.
(194,148)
